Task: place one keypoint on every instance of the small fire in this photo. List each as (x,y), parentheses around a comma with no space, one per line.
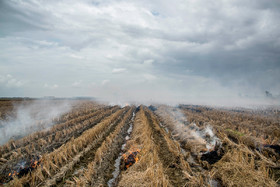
(13,174)
(24,167)
(34,164)
(131,157)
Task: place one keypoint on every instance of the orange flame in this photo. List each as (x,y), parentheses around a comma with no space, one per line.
(13,174)
(33,164)
(131,157)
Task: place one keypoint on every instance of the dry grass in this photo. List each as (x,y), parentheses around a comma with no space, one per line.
(242,164)
(71,125)
(173,145)
(167,156)
(95,175)
(238,168)
(66,153)
(148,171)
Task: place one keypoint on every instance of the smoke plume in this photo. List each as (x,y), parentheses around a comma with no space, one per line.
(32,116)
(190,131)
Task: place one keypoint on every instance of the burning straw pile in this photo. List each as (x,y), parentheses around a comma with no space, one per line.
(131,157)
(22,168)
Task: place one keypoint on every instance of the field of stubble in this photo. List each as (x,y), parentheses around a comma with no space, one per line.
(100,145)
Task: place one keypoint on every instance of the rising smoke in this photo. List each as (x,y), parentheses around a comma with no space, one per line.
(32,116)
(190,131)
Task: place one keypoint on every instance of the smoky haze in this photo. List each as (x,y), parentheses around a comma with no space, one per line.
(31,117)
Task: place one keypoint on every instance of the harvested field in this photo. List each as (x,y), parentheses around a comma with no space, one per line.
(99,145)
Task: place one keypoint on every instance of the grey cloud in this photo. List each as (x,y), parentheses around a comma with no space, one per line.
(15,18)
(214,47)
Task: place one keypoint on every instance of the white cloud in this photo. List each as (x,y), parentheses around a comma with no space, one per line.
(105,82)
(77,83)
(10,82)
(149,77)
(92,84)
(52,87)
(148,62)
(118,70)
(76,56)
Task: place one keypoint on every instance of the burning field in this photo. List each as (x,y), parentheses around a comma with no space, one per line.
(98,145)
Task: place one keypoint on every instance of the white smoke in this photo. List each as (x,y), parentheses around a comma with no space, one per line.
(32,116)
(190,131)
(210,137)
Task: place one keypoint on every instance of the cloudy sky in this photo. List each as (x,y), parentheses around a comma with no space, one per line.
(141,50)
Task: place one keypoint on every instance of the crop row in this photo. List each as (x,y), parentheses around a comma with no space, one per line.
(160,162)
(46,134)
(55,164)
(236,163)
(99,171)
